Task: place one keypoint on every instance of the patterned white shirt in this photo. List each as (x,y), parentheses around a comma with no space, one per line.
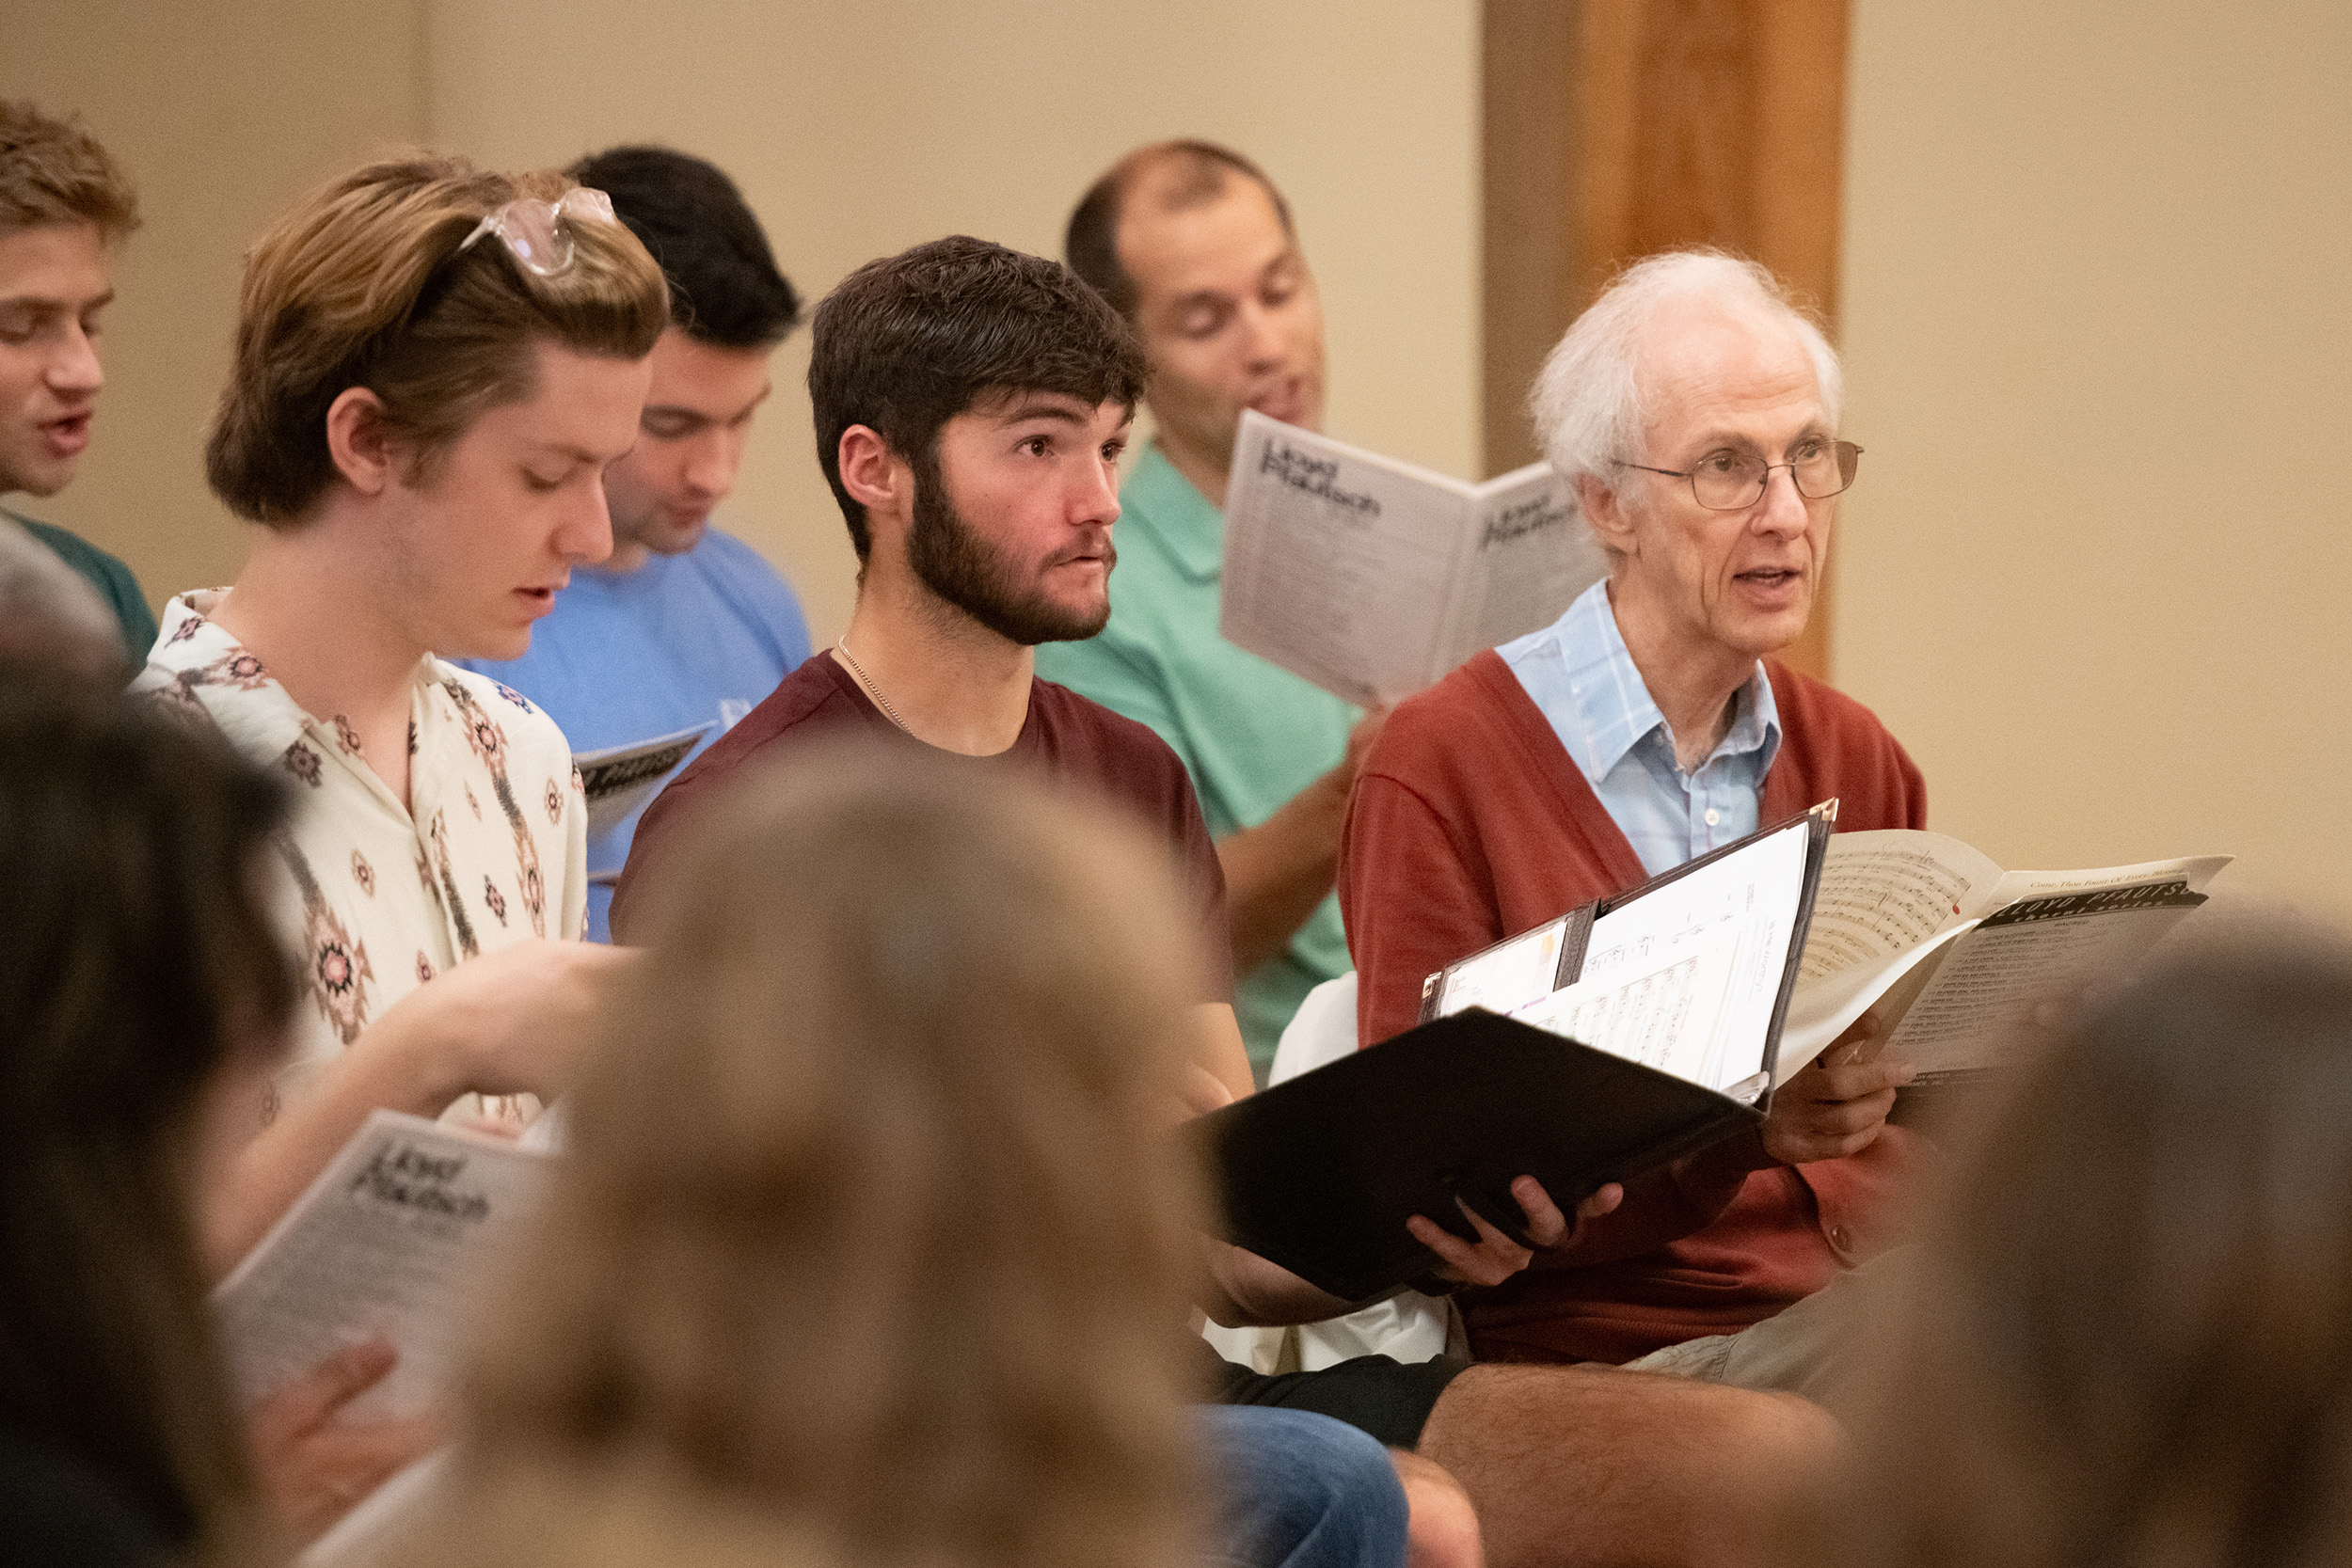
(492,847)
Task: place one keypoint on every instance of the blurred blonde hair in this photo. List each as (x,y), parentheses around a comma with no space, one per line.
(363,283)
(863,1229)
(2127,1337)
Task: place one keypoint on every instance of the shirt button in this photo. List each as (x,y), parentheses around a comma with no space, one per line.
(1838,1236)
(1713,816)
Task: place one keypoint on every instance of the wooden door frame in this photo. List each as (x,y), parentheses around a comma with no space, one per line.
(1614,129)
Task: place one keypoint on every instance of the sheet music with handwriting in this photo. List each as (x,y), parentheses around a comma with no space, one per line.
(1373,578)
(1684,977)
(1668,1016)
(1749,899)
(392,1238)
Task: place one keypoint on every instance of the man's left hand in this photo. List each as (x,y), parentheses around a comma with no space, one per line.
(1494,1257)
(1827,1111)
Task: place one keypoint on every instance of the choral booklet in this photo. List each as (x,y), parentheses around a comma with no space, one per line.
(391,1239)
(619,779)
(1374,578)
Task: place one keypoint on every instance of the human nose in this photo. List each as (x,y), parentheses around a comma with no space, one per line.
(74,368)
(585,531)
(1262,337)
(711,462)
(1780,509)
(1097,496)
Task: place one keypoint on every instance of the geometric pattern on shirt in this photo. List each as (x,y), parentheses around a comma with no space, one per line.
(198,674)
(489,744)
(468,946)
(335,968)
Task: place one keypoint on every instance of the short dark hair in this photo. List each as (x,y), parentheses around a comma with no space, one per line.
(1202,171)
(725,287)
(908,343)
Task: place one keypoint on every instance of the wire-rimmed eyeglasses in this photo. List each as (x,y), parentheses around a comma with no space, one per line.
(1735,480)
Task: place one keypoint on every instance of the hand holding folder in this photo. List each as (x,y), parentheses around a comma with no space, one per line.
(1667,1001)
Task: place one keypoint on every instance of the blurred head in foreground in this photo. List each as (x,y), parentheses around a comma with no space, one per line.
(862,1252)
(2129,1339)
(142,994)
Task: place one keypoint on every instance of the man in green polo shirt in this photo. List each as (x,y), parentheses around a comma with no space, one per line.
(64,209)
(1194,247)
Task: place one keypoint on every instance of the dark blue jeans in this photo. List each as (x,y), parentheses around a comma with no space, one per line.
(1296,1490)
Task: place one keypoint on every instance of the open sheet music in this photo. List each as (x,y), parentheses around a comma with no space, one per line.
(1686,974)
(391,1239)
(1950,948)
(1374,578)
(1958,950)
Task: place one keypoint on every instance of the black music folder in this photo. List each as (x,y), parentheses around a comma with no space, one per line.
(1682,982)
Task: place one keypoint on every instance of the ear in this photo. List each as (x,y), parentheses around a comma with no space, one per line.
(358,441)
(876,477)
(1606,516)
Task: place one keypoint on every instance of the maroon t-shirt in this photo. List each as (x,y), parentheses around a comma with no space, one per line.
(1080,745)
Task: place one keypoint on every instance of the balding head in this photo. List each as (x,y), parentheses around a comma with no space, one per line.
(1193,246)
(1169,177)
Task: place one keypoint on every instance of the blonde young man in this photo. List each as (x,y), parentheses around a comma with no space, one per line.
(434,367)
(65,210)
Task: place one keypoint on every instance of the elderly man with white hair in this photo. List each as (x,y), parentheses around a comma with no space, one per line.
(1695,412)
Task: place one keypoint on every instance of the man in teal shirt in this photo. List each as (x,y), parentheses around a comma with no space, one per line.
(1194,247)
(64,209)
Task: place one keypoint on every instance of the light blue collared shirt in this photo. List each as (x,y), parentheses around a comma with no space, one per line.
(1578,672)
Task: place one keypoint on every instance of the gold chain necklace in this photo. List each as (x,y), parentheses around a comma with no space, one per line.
(842,643)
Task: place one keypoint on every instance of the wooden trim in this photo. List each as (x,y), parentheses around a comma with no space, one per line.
(1529,232)
(1653,124)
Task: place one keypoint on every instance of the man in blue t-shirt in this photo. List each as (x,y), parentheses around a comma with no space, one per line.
(684,625)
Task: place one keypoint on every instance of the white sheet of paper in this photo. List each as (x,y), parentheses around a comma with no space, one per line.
(1752,896)
(1339,564)
(1373,578)
(1509,976)
(1667,1016)
(1530,558)
(391,1239)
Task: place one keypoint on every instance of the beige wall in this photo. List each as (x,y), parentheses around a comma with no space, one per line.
(220,111)
(856,131)
(2097,261)
(859,130)
(2098,313)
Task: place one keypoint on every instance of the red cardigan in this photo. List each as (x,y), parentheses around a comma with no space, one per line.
(1470,823)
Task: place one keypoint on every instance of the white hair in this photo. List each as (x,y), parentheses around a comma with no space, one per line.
(1590,401)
